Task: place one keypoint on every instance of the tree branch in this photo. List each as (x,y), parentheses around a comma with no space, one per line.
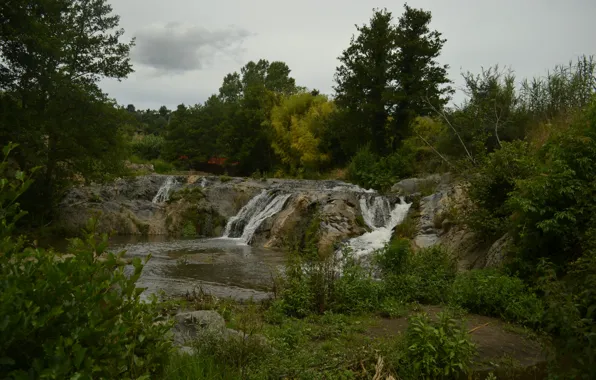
(442,114)
(434,150)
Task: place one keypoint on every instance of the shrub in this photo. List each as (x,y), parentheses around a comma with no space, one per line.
(490,189)
(570,314)
(489,292)
(315,285)
(370,171)
(162,167)
(148,147)
(423,276)
(355,290)
(76,315)
(435,350)
(393,258)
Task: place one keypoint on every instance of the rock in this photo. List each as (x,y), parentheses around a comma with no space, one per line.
(186,350)
(410,186)
(430,206)
(189,324)
(140,167)
(497,253)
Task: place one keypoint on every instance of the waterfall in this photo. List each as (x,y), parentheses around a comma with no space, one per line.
(163,194)
(250,217)
(378,215)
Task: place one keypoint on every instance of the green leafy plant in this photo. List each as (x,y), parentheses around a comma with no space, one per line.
(148,147)
(161,166)
(73,315)
(435,350)
(492,293)
(419,276)
(371,171)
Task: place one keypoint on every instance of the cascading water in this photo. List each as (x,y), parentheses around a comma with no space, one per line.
(163,194)
(250,217)
(378,215)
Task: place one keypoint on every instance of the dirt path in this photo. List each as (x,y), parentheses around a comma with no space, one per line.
(501,347)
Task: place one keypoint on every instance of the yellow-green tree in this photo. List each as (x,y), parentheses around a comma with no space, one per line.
(298,124)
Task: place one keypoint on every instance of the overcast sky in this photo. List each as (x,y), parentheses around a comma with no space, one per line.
(185,47)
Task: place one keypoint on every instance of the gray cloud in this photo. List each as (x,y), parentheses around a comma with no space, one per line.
(177,47)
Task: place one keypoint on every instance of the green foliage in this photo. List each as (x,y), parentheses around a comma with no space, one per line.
(298,124)
(435,350)
(198,367)
(73,315)
(386,77)
(490,188)
(393,259)
(148,147)
(489,292)
(553,209)
(314,285)
(570,314)
(419,276)
(189,229)
(52,105)
(161,166)
(371,171)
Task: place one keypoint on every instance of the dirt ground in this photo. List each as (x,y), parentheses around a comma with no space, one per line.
(502,348)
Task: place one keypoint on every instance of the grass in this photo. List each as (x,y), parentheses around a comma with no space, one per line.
(197,367)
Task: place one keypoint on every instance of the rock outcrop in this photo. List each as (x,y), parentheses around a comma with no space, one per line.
(201,206)
(437,225)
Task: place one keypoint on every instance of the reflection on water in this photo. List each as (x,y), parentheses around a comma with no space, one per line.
(221,267)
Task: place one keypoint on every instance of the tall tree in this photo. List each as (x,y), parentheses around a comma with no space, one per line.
(422,83)
(52,55)
(249,98)
(299,124)
(365,88)
(388,75)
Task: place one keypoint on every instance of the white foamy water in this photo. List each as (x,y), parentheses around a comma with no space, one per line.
(163,194)
(381,220)
(244,225)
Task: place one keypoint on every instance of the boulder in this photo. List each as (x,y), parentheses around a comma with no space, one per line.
(190,324)
(497,253)
(414,185)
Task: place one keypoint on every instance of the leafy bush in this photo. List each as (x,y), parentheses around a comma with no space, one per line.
(148,147)
(421,276)
(492,293)
(355,290)
(554,209)
(490,189)
(435,350)
(76,315)
(570,314)
(393,258)
(316,285)
(370,171)
(162,167)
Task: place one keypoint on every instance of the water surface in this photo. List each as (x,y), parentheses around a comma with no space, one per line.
(222,267)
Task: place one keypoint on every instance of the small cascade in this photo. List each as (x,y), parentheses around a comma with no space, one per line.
(163,194)
(378,215)
(250,217)
(376,211)
(203,182)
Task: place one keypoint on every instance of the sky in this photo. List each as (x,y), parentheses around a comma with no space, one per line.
(184,48)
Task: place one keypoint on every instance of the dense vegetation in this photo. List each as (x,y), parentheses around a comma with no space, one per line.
(525,150)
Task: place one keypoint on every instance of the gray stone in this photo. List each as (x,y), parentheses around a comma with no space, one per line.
(413,185)
(189,324)
(497,253)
